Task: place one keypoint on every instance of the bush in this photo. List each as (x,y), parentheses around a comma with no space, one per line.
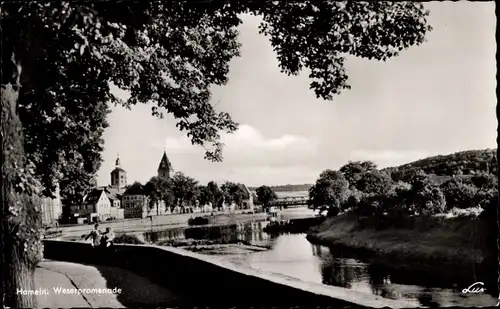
(458,194)
(128,239)
(198,221)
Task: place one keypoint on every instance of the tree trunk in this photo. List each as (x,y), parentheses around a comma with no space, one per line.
(20,217)
(496,227)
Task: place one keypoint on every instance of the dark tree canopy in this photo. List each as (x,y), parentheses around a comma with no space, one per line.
(265,195)
(374,182)
(331,190)
(354,169)
(234,193)
(170,54)
(210,194)
(184,189)
(159,189)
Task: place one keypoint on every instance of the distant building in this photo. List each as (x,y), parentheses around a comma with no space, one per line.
(51,209)
(101,204)
(247,203)
(117,212)
(134,201)
(165,168)
(96,206)
(114,196)
(136,204)
(117,201)
(118,177)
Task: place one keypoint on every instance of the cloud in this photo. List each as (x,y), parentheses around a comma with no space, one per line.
(248,147)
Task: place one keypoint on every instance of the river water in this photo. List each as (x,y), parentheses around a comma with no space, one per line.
(293,255)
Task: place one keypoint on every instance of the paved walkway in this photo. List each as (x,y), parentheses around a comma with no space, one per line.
(51,276)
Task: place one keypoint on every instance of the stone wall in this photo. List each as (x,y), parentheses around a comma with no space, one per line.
(203,280)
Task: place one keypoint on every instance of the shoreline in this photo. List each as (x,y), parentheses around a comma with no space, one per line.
(179,221)
(437,249)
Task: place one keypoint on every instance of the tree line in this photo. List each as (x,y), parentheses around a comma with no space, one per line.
(182,191)
(362,188)
(468,162)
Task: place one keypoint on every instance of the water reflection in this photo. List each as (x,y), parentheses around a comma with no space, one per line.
(294,256)
(248,232)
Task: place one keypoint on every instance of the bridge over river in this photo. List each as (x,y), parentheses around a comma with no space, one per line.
(290,201)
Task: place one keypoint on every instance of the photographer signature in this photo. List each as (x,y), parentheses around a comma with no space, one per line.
(475,288)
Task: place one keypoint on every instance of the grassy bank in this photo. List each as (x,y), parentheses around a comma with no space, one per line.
(431,243)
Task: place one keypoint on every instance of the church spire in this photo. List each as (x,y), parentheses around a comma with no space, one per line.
(165,168)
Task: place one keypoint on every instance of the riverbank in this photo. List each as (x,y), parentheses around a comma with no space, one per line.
(426,244)
(162,223)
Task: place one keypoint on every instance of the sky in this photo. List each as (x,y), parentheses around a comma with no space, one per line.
(436,98)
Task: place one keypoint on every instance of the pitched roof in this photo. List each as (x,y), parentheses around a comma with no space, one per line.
(164,163)
(112,193)
(244,188)
(93,196)
(118,169)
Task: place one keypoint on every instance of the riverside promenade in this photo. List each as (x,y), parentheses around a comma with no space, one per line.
(59,279)
(172,277)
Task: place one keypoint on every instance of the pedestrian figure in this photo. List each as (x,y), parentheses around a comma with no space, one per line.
(95,235)
(107,238)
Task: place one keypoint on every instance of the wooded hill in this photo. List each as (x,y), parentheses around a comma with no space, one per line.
(468,162)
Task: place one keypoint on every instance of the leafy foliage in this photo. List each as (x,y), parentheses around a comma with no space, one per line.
(159,189)
(216,194)
(425,197)
(184,189)
(459,194)
(234,193)
(170,55)
(374,182)
(330,191)
(266,195)
(373,30)
(211,194)
(354,169)
(374,192)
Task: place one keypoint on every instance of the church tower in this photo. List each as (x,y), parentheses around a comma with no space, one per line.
(118,176)
(165,168)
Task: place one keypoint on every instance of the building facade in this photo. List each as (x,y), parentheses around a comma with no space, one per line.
(134,205)
(100,204)
(137,205)
(114,197)
(96,206)
(51,209)
(247,203)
